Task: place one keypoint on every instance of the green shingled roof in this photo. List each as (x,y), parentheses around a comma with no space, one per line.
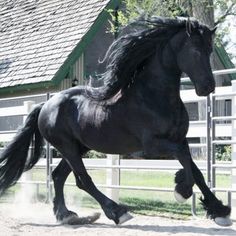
(225,59)
(39,39)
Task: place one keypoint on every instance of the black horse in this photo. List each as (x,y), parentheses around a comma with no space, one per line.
(138,108)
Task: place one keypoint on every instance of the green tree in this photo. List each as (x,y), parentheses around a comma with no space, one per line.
(133,8)
(209,12)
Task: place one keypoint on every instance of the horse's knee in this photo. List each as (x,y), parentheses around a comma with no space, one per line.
(186,191)
(180,176)
(183,188)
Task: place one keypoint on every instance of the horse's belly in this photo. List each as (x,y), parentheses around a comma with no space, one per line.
(109,140)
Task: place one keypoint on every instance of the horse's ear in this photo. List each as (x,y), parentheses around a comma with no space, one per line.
(213,30)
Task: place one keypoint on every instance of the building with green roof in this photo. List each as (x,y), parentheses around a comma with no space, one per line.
(49,45)
(46,44)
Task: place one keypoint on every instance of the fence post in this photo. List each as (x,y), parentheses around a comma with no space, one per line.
(113,176)
(209,109)
(49,169)
(233,154)
(26,191)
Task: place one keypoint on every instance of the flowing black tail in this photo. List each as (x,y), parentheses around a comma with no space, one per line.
(15,158)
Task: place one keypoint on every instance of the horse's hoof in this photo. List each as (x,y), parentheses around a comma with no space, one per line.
(124,218)
(223,221)
(75,220)
(179,198)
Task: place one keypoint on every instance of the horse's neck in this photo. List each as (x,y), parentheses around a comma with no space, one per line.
(164,82)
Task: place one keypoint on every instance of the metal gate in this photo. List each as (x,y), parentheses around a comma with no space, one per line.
(212,121)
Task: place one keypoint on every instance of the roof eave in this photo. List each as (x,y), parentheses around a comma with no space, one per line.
(26,87)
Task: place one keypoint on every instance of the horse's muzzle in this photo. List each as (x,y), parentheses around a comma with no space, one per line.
(206,89)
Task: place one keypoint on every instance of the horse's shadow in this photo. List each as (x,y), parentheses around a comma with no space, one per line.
(147,228)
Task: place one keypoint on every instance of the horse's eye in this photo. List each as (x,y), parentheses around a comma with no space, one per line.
(209,45)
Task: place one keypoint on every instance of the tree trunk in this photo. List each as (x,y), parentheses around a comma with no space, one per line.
(203,10)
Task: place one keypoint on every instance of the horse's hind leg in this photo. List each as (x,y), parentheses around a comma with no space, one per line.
(71,151)
(61,212)
(112,210)
(59,177)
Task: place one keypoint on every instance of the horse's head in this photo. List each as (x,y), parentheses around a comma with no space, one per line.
(193,47)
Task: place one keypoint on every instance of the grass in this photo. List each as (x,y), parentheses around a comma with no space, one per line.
(140,202)
(160,208)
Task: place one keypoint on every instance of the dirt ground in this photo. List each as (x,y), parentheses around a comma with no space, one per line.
(37,219)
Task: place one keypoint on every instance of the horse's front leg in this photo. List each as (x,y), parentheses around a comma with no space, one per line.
(184,178)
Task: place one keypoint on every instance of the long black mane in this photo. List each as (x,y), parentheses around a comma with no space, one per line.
(129,53)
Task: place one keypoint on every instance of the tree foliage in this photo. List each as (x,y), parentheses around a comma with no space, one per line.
(225,9)
(149,7)
(225,12)
(221,10)
(172,8)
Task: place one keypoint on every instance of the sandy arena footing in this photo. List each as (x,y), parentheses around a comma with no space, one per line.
(38,220)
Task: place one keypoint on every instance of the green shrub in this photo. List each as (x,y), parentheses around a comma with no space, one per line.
(94,155)
(223,152)
(90,154)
